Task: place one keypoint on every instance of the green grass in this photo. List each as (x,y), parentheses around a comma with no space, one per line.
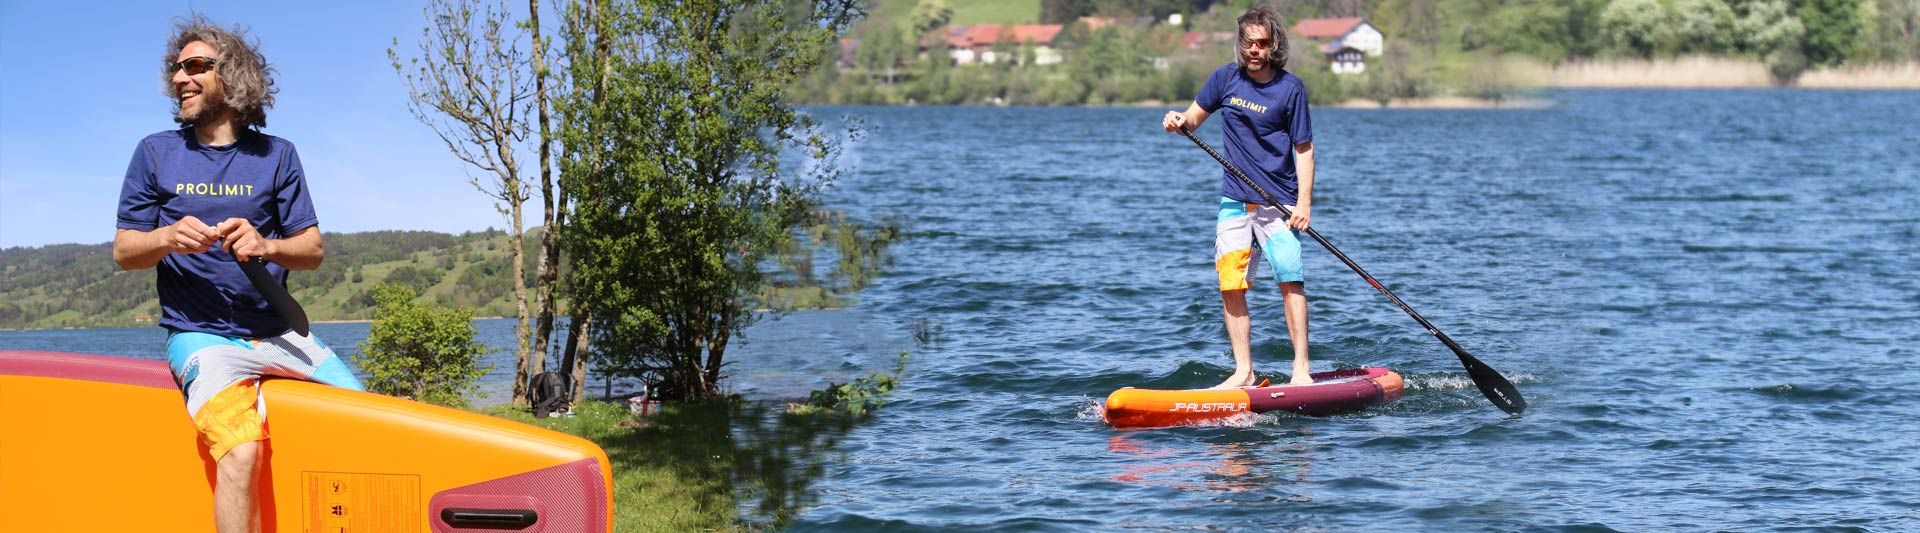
(995,12)
(670,476)
(685,468)
(899,12)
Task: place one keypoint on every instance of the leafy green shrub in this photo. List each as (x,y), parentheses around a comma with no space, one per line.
(425,352)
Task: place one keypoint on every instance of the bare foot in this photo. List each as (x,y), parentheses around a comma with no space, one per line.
(1235,381)
(1301,376)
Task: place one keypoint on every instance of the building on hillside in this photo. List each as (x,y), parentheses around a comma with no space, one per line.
(1344,42)
(1195,40)
(978,43)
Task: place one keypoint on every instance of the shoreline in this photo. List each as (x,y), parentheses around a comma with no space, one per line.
(1708,72)
(1445,102)
(1528,75)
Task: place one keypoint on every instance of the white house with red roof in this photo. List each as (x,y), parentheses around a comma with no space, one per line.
(975,43)
(1345,42)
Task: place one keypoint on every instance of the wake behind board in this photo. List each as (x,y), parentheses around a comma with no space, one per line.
(97,443)
(1332,392)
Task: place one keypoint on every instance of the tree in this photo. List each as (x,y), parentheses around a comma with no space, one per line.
(424,352)
(929,15)
(588,33)
(1768,27)
(1064,11)
(1769,32)
(1635,27)
(554,205)
(470,85)
(1702,26)
(1896,31)
(1534,28)
(881,50)
(1834,30)
(675,159)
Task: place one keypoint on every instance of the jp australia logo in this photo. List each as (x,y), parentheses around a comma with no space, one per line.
(213,189)
(1208,407)
(1243,104)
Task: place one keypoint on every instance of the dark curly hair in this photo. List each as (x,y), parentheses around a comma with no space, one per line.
(1262,15)
(244,72)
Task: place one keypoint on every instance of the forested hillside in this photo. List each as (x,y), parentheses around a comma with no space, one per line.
(74,285)
(78,285)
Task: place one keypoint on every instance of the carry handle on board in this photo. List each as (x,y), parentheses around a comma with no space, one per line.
(507,519)
(1495,386)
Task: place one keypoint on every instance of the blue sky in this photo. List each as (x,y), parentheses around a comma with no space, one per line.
(85,87)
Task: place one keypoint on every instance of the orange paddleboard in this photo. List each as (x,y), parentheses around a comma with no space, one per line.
(96,443)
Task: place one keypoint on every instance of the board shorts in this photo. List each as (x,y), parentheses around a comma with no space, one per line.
(1241,226)
(220,378)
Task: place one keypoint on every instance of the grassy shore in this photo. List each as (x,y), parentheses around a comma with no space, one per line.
(1717,72)
(667,473)
(688,467)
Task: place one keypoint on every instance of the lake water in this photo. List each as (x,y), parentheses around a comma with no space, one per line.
(1709,298)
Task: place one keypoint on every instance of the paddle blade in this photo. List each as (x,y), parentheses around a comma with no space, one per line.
(1498,390)
(276,294)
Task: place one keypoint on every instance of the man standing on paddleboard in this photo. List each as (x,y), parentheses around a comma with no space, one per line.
(196,199)
(1269,134)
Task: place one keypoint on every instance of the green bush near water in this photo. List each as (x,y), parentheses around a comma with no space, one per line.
(420,351)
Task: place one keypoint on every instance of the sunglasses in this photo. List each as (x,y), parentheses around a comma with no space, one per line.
(194,66)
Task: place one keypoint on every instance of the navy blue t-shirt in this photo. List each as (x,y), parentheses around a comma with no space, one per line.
(258,178)
(1263,122)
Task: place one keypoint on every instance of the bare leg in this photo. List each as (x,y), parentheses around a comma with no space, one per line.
(1296,303)
(233,505)
(1239,328)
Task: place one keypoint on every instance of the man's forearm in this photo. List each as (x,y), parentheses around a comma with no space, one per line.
(1303,169)
(135,250)
(302,251)
(1196,116)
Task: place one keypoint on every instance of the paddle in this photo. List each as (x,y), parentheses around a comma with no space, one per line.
(276,294)
(1498,390)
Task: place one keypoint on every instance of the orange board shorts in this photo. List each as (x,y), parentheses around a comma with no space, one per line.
(220,378)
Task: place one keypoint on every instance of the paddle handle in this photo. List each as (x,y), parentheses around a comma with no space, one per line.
(1496,387)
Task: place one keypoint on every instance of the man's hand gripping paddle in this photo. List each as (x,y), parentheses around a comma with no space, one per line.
(1500,391)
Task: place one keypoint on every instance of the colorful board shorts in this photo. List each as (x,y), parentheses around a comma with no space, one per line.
(1242,225)
(220,377)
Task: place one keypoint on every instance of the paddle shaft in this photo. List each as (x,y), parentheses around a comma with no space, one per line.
(1496,387)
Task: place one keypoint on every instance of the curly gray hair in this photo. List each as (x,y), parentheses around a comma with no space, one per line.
(1262,15)
(244,72)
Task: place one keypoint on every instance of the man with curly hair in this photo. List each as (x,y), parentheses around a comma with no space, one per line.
(195,201)
(1269,135)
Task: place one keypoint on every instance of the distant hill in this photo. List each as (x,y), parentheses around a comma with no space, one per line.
(76,285)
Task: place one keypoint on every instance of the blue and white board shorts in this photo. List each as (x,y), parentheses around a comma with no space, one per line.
(1241,226)
(220,376)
